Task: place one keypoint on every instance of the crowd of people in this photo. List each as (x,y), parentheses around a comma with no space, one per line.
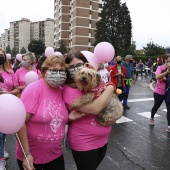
(47,102)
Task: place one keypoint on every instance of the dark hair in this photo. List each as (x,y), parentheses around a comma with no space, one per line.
(77,55)
(40,62)
(165,57)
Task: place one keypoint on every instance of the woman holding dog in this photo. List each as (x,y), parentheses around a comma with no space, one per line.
(159,91)
(87,139)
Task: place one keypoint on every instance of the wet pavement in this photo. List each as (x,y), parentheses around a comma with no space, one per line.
(133,143)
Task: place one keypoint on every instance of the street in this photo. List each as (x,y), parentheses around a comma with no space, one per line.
(133,143)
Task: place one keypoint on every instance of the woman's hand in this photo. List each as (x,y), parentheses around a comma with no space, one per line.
(25,163)
(74,115)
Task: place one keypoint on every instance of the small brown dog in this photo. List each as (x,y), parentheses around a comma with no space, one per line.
(90,82)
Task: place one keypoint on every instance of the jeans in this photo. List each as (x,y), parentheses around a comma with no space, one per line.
(2,141)
(126,94)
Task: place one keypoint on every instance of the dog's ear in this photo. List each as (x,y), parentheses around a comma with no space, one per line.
(99,79)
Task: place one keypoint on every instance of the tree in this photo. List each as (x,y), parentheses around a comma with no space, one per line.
(132,48)
(62,47)
(8,49)
(14,52)
(37,47)
(152,49)
(115,26)
(23,50)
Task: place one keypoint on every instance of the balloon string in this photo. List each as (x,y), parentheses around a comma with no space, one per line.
(22,149)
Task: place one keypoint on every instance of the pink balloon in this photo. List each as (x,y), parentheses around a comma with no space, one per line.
(19,57)
(57,53)
(11,118)
(49,51)
(30,77)
(104,52)
(90,58)
(8,56)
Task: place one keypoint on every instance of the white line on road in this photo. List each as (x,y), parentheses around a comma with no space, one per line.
(140,100)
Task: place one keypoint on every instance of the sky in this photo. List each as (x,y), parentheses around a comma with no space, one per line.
(150,18)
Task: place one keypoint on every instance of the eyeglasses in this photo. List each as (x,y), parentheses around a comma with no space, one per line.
(58,71)
(1,78)
(78,66)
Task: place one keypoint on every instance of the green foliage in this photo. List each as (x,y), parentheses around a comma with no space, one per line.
(115,26)
(37,47)
(132,48)
(14,52)
(154,49)
(23,50)
(8,49)
(62,48)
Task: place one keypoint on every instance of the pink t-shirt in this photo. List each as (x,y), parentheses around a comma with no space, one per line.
(160,84)
(46,127)
(10,81)
(84,134)
(20,74)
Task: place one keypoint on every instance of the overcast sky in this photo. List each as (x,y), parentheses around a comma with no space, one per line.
(150,18)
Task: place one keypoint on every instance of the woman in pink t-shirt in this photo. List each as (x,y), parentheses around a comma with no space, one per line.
(46,118)
(159,91)
(8,85)
(26,66)
(87,139)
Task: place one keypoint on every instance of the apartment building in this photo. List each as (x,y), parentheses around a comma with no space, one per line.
(43,30)
(75,23)
(7,37)
(3,41)
(20,34)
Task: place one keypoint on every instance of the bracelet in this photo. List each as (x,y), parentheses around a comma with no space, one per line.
(27,154)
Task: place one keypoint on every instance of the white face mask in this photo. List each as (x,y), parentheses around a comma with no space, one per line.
(56,78)
(24,63)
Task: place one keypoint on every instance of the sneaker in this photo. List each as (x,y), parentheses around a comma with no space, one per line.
(6,154)
(2,164)
(126,107)
(168,129)
(151,122)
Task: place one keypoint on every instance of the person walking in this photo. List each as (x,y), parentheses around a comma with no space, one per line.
(159,91)
(8,85)
(128,79)
(117,75)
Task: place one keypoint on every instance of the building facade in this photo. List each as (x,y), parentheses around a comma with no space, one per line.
(43,30)
(20,34)
(75,23)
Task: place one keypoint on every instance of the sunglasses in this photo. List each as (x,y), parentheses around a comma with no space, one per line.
(1,78)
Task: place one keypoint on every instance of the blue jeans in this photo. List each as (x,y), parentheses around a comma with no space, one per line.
(2,140)
(126,94)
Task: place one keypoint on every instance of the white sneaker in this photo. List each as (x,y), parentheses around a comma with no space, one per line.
(2,164)
(6,154)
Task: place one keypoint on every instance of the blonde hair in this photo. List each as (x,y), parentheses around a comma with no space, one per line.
(101,66)
(6,63)
(118,57)
(52,61)
(31,57)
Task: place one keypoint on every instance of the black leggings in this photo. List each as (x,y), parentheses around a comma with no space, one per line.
(168,113)
(56,164)
(158,99)
(89,160)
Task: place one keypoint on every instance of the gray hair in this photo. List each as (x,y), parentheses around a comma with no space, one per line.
(128,57)
(31,57)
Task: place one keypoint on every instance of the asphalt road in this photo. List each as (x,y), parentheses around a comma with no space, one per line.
(133,143)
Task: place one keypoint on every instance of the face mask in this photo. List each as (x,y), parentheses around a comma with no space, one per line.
(2,60)
(73,71)
(24,63)
(56,78)
(130,61)
(119,62)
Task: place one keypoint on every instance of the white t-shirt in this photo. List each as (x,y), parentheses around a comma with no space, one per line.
(104,74)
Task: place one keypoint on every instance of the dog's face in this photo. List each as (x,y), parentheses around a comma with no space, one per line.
(87,79)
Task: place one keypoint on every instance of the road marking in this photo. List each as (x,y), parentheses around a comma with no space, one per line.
(164,110)
(124,119)
(140,100)
(147,114)
(151,86)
